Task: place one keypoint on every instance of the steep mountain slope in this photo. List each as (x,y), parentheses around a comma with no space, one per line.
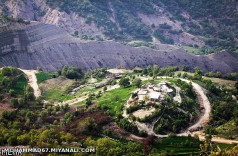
(31,45)
(198,23)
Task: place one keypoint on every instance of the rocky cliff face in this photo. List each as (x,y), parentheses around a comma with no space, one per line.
(38,10)
(50,47)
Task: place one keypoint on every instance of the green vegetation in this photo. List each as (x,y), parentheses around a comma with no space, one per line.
(36,125)
(42,76)
(140,44)
(172,120)
(113,104)
(193,50)
(99,12)
(21,83)
(159,34)
(177,146)
(5,18)
(12,79)
(57,95)
(220,35)
(72,72)
(125,82)
(216,28)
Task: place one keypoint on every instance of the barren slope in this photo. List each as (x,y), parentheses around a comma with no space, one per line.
(50,47)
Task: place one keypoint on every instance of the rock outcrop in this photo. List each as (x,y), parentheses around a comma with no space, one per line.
(50,47)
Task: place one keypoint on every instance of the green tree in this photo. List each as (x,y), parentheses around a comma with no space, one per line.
(124,82)
(11,92)
(39,69)
(104,88)
(49,138)
(155,70)
(198,73)
(1,97)
(12,140)
(205,148)
(185,68)
(64,70)
(31,116)
(29,93)
(23,139)
(87,125)
(236,85)
(137,82)
(14,102)
(76,33)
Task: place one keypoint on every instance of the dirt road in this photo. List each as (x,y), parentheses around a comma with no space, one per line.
(215,138)
(77,100)
(204,102)
(201,122)
(32,81)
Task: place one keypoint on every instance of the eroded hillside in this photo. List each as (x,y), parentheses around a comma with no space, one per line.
(31,45)
(209,26)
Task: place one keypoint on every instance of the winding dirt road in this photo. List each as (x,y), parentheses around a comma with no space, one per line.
(204,102)
(203,120)
(193,129)
(32,81)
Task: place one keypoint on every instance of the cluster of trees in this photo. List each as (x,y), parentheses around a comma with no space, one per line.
(106,146)
(13,83)
(9,77)
(24,101)
(31,127)
(87,126)
(97,73)
(140,44)
(5,18)
(156,71)
(221,36)
(99,13)
(125,82)
(72,72)
(172,121)
(229,76)
(40,138)
(159,34)
(198,74)
(128,126)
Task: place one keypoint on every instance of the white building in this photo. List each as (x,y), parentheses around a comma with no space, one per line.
(155,96)
(142,94)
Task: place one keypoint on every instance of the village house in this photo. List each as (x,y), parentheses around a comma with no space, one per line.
(142,94)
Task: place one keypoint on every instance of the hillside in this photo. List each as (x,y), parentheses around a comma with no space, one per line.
(31,45)
(200,24)
(119,77)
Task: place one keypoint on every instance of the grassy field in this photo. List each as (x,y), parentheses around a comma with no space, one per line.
(20,85)
(193,50)
(221,82)
(229,130)
(108,99)
(177,145)
(55,90)
(181,146)
(57,95)
(43,76)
